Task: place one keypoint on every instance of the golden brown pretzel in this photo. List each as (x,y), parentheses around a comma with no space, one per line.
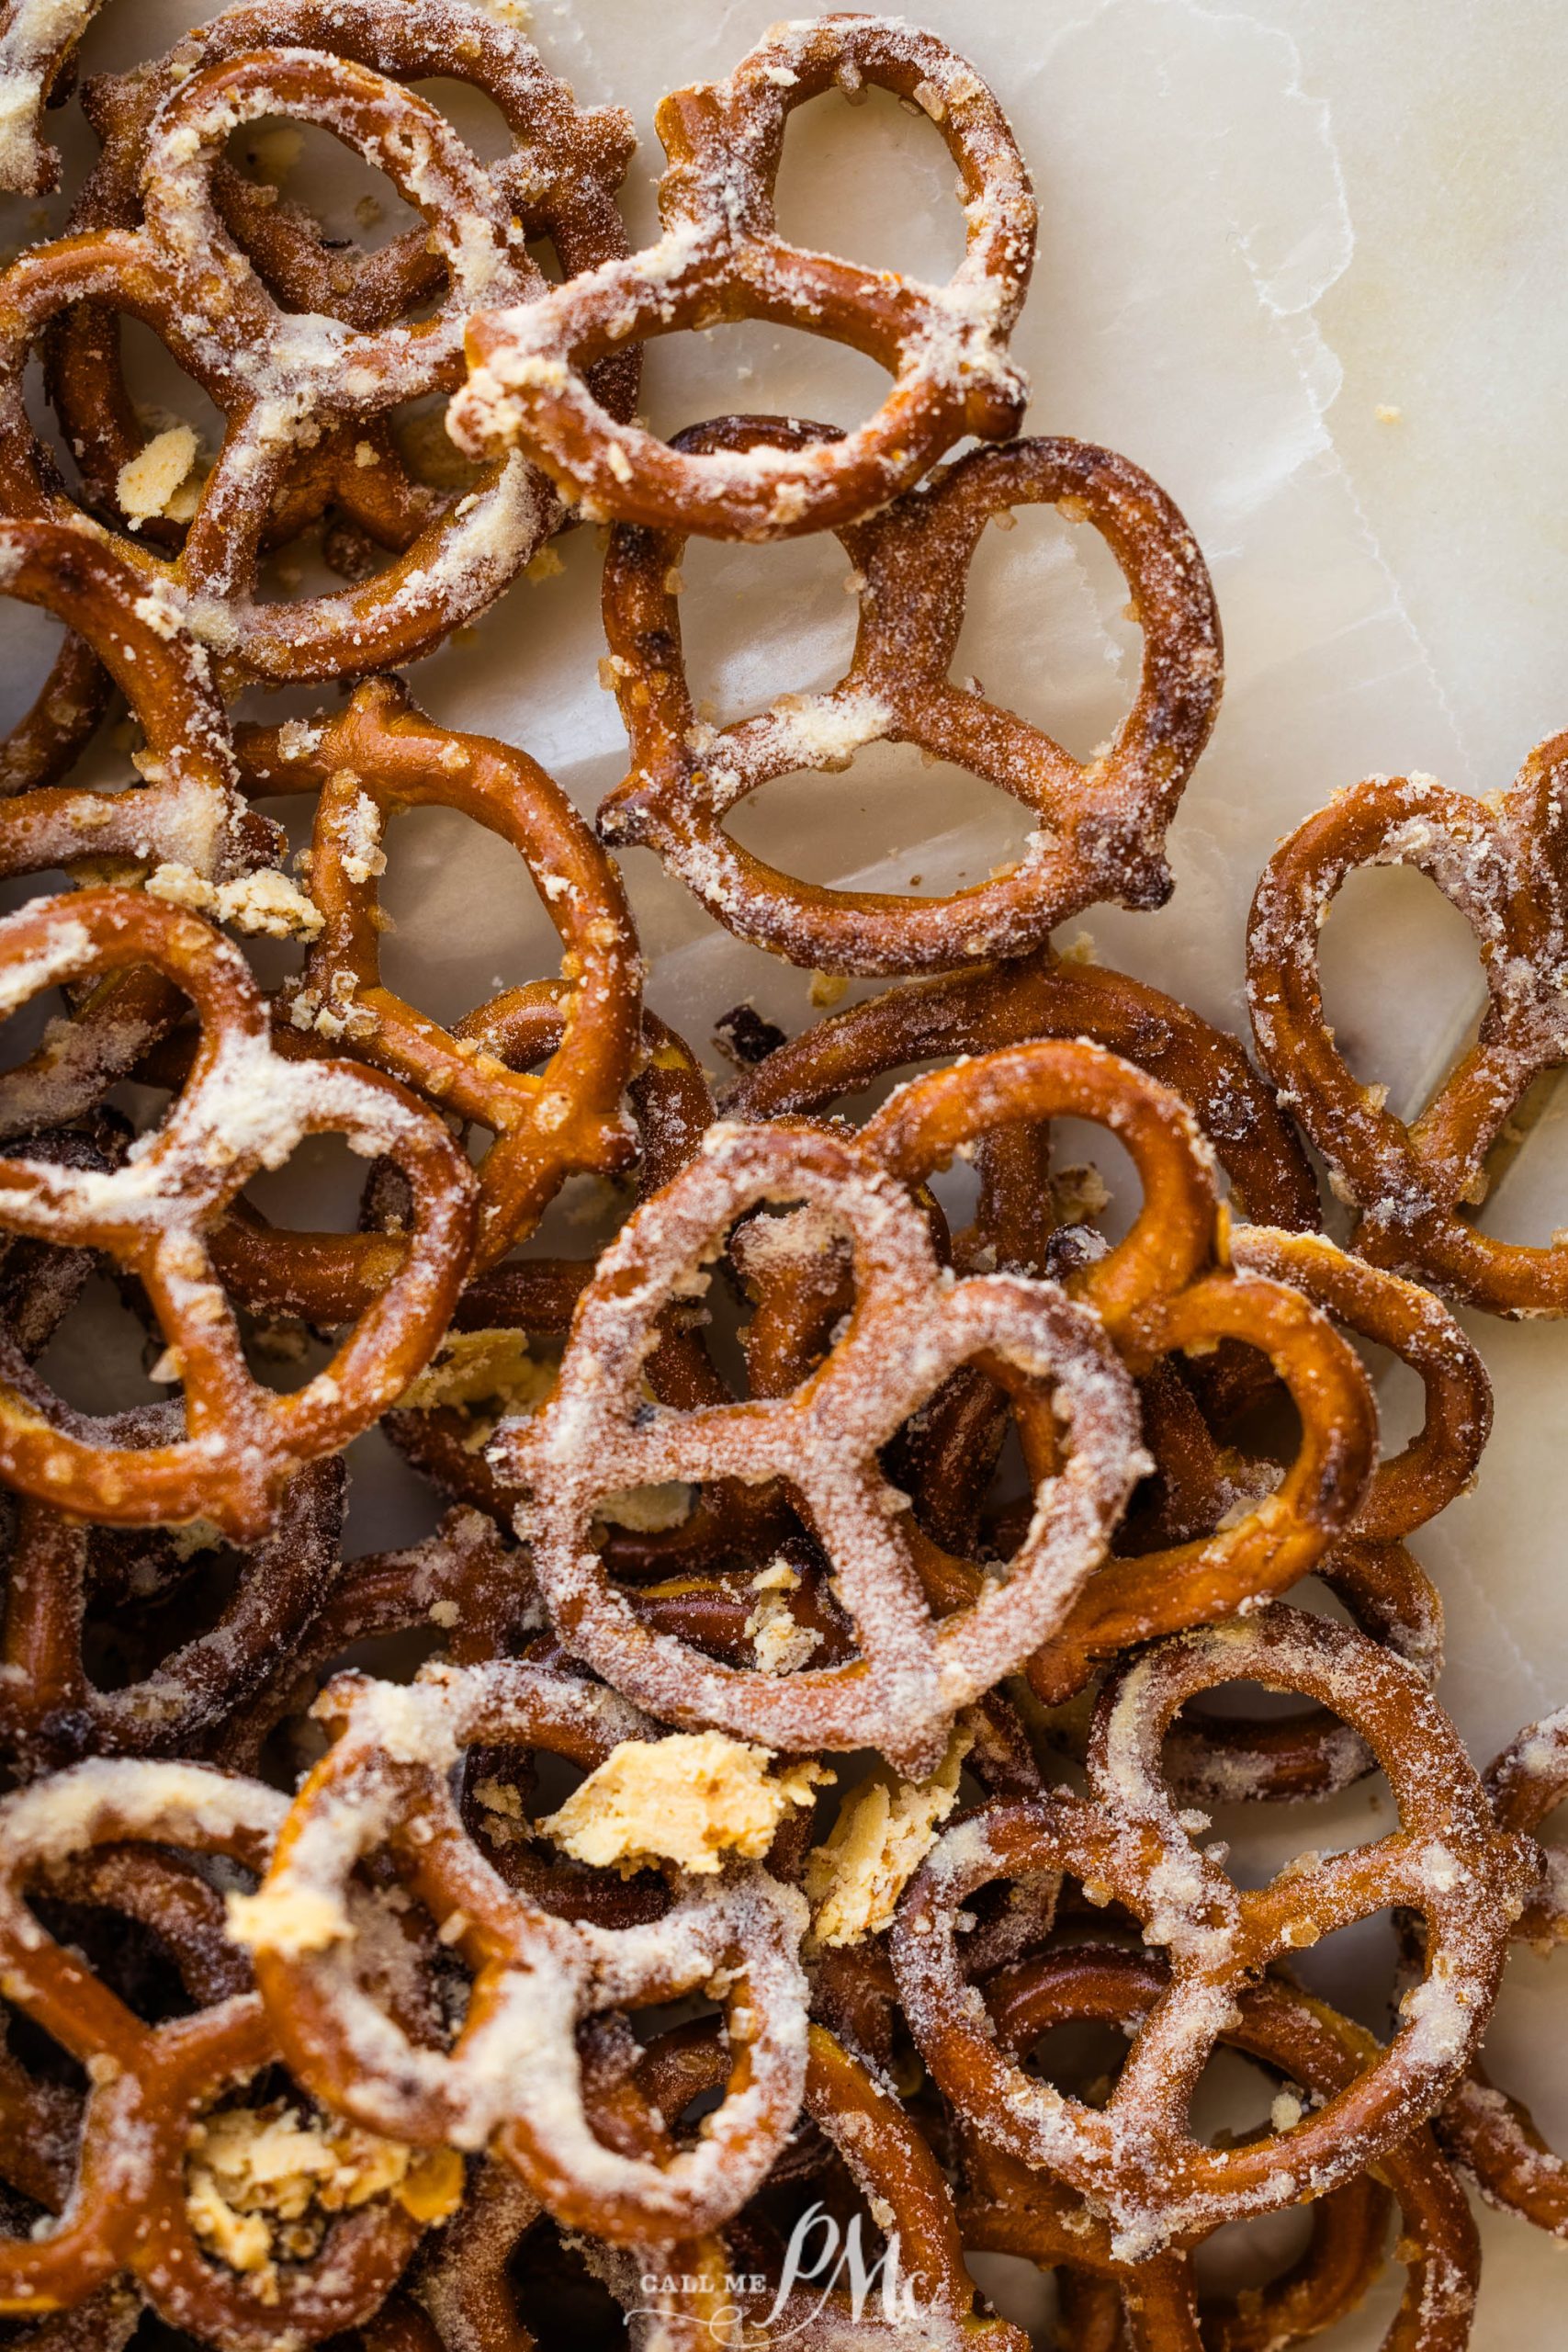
(512,2077)
(37,39)
(721,258)
(51,1711)
(1099,825)
(283,379)
(1500,863)
(1009,2209)
(188,807)
(244,1108)
(906,1333)
(149,2085)
(1137,2159)
(379,755)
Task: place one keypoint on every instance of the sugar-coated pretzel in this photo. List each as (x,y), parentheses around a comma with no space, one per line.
(37,37)
(1007,2208)
(149,2085)
(1038,997)
(1490,2134)
(380,755)
(1499,862)
(1136,2159)
(906,1332)
(511,2079)
(189,810)
(1099,825)
(1159,1292)
(244,1109)
(284,379)
(721,258)
(50,1712)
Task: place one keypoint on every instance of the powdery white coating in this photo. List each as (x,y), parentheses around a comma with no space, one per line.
(1499,863)
(514,2074)
(34,37)
(720,256)
(1134,2161)
(912,1325)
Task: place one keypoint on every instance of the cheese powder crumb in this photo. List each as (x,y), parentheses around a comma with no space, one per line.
(150,482)
(882,1834)
(695,1798)
(262,2184)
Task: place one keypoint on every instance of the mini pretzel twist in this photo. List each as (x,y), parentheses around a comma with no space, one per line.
(125,2208)
(284,380)
(1159,1293)
(511,2079)
(721,258)
(1137,2160)
(1100,824)
(244,1109)
(1500,863)
(906,1333)
(37,40)
(51,1711)
(379,755)
(1010,2209)
(188,810)
(1492,2136)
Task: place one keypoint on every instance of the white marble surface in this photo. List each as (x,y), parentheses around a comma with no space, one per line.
(1259,226)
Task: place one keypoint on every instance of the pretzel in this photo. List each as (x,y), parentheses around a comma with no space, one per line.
(244,1108)
(1041,997)
(511,2079)
(149,2085)
(905,1334)
(1099,825)
(37,39)
(378,756)
(1490,2135)
(1157,1293)
(50,1710)
(189,808)
(284,380)
(1009,2209)
(1498,862)
(1136,2159)
(720,258)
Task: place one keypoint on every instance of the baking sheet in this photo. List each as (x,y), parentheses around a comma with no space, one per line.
(1262,232)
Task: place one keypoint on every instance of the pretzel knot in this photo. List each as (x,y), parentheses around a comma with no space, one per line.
(721,258)
(282,379)
(244,1109)
(1500,863)
(188,810)
(1010,2209)
(911,1326)
(150,2084)
(1137,2162)
(1101,823)
(512,2076)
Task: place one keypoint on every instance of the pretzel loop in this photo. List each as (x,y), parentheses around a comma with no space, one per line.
(721,258)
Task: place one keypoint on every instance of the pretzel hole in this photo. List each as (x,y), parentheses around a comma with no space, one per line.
(1527,1199)
(889,823)
(101,1357)
(754,368)
(134,475)
(872,182)
(33,638)
(1401,986)
(1018,2290)
(1357,1967)
(1238,2100)
(556,2297)
(756,622)
(1072,667)
(1248,2255)
(467,920)
(305,165)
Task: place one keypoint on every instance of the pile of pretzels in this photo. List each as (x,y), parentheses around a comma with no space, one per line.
(805,1703)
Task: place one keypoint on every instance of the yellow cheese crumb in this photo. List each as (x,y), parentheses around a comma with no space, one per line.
(1387,415)
(264,901)
(492,1368)
(1078,1193)
(288,1920)
(694,1798)
(150,482)
(646,1509)
(827,987)
(882,1834)
(262,2183)
(779,1643)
